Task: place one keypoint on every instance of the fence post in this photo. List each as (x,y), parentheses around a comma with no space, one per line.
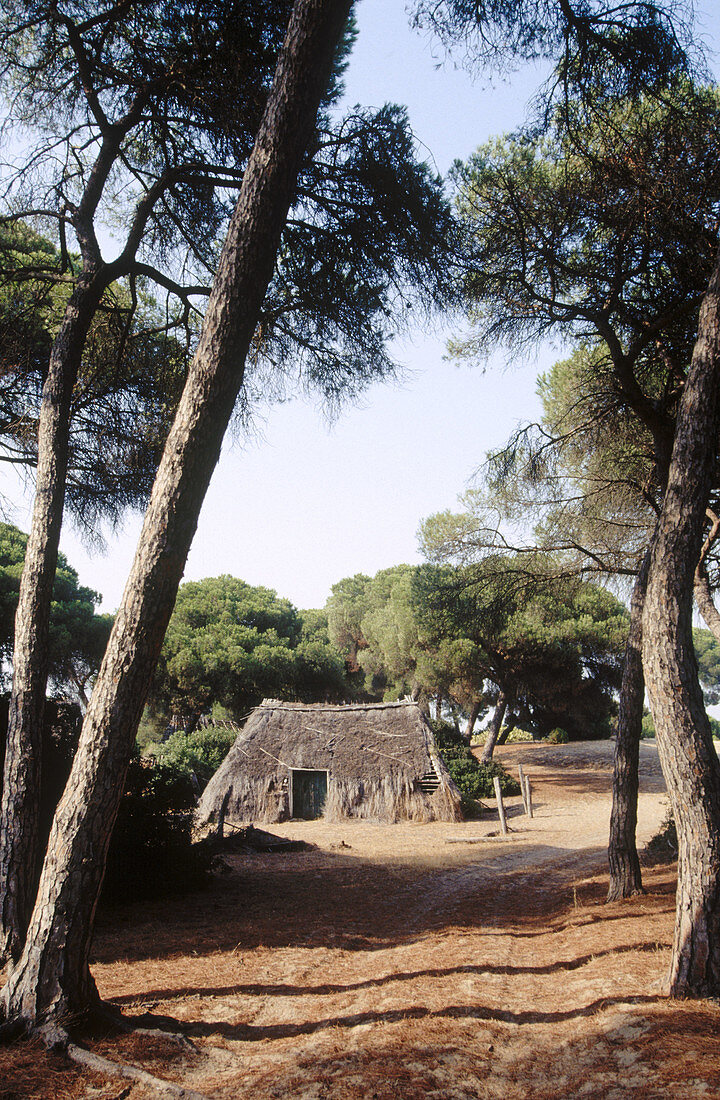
(528,797)
(501,808)
(521,775)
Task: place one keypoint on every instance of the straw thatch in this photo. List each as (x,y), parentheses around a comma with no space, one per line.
(380,758)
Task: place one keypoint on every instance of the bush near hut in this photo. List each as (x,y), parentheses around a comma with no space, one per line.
(199,753)
(473,779)
(151,852)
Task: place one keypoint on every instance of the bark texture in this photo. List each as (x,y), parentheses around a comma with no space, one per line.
(687,753)
(625,873)
(494,728)
(705,602)
(474,714)
(507,729)
(19,808)
(703,592)
(52,978)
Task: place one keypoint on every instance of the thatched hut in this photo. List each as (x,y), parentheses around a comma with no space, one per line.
(375,761)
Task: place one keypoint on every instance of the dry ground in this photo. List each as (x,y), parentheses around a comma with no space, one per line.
(405,961)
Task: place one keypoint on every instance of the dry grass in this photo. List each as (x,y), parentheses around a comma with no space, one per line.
(386,963)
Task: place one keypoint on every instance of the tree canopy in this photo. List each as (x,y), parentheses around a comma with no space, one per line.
(128,383)
(602,233)
(231,644)
(78,635)
(553,648)
(153,110)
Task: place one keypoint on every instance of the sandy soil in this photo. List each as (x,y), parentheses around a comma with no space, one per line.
(408,961)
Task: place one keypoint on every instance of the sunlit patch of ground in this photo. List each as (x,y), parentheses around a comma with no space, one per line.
(415,961)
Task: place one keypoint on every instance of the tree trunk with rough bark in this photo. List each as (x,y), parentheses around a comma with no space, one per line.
(494,728)
(476,708)
(20,808)
(704,600)
(52,978)
(625,873)
(506,730)
(687,753)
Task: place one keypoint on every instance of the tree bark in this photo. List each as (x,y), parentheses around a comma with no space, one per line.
(625,873)
(52,978)
(476,708)
(19,808)
(687,753)
(701,587)
(507,730)
(494,728)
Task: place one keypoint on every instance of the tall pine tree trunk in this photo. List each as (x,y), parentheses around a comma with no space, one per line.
(625,874)
(19,808)
(474,714)
(687,753)
(494,728)
(52,978)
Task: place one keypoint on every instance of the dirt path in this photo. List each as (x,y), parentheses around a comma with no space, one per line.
(407,961)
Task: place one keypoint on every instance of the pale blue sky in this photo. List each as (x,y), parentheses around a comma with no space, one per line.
(305,503)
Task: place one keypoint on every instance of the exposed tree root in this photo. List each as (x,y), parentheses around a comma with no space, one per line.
(100,1064)
(108,1013)
(57,1039)
(176,1037)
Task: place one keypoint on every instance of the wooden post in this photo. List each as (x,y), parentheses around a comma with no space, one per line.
(528,797)
(501,808)
(521,775)
(221,814)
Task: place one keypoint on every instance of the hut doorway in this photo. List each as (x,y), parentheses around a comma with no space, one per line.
(309,793)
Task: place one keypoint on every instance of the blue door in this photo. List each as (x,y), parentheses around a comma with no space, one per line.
(309,792)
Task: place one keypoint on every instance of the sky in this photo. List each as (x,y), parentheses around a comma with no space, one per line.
(302,502)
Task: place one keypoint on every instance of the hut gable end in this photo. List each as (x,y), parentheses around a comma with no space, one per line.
(379,760)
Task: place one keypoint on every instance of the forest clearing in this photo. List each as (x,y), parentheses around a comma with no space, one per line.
(384,961)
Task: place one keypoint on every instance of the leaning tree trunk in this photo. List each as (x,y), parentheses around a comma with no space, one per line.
(625,874)
(687,753)
(474,714)
(494,728)
(506,730)
(704,600)
(52,978)
(701,586)
(20,806)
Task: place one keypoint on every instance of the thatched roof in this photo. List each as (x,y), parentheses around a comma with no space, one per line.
(375,753)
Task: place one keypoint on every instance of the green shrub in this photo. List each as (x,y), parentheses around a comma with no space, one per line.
(473,779)
(151,729)
(515,737)
(663,847)
(151,852)
(199,753)
(557,737)
(518,737)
